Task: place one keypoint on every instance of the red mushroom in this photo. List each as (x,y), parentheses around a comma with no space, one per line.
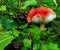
(41,16)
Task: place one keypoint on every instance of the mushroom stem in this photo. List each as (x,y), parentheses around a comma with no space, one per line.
(42,27)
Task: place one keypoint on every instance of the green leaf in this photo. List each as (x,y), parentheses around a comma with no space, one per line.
(25,4)
(36,30)
(36,38)
(55,2)
(1,27)
(3,8)
(53,7)
(24,48)
(27,43)
(5,17)
(49,46)
(47,1)
(9,24)
(5,39)
(11,13)
(23,26)
(15,33)
(55,46)
(36,47)
(44,47)
(0,9)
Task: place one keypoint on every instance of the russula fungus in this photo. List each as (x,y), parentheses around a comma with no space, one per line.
(41,16)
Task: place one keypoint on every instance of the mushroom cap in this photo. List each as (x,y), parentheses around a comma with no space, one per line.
(38,15)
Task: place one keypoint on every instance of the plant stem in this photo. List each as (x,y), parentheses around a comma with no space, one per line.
(42,27)
(54,35)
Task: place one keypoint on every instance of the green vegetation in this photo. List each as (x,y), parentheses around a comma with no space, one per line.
(15,28)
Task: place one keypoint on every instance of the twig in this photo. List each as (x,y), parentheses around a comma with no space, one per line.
(54,35)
